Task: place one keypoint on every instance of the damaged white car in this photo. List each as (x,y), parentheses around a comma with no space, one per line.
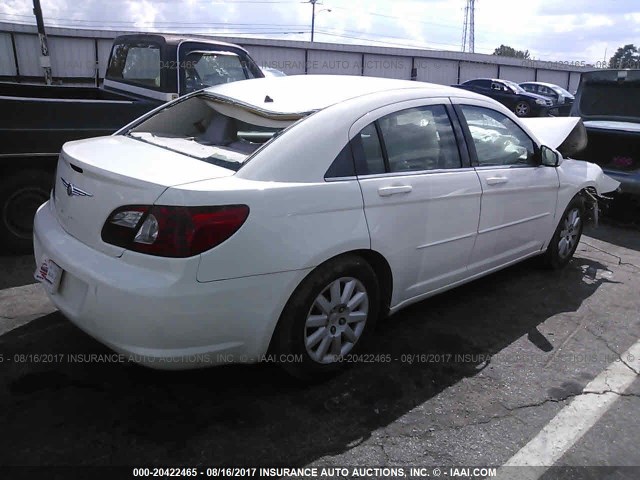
(285,216)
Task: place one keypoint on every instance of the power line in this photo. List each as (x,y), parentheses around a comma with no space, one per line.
(177,23)
(375,40)
(404,19)
(362,35)
(241,28)
(199,30)
(221,2)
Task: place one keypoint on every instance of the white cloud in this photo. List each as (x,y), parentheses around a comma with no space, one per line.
(551,30)
(142,12)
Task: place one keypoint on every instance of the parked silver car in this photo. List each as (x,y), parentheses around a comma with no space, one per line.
(562,99)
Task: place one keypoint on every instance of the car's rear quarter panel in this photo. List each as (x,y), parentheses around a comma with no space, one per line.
(291,226)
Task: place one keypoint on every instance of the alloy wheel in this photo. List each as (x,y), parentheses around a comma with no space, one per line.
(522,109)
(570,233)
(336,320)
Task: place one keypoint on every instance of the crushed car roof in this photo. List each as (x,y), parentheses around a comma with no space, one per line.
(308,93)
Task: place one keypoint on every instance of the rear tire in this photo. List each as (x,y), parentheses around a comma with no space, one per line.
(21,193)
(567,235)
(328,317)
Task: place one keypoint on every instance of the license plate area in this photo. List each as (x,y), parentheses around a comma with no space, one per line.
(49,274)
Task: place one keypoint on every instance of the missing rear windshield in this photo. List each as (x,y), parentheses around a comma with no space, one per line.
(215,132)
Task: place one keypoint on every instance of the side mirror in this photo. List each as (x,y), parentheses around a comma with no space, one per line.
(550,158)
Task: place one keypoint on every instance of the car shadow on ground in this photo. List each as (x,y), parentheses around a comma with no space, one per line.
(99,413)
(609,231)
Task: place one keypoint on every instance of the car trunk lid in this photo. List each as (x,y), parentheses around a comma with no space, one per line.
(608,95)
(96,176)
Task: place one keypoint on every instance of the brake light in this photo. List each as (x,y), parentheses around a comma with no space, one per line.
(169,231)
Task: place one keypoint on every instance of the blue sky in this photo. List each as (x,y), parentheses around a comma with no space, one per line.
(571,30)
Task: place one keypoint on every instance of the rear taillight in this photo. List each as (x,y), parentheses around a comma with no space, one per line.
(168,231)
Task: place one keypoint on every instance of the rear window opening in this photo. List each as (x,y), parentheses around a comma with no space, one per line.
(209,130)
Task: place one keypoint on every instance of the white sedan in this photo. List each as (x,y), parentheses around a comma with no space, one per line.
(285,216)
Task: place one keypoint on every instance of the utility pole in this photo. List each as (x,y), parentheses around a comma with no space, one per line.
(45,60)
(472,24)
(464,28)
(313,17)
(469,22)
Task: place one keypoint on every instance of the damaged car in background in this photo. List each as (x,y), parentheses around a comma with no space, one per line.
(252,218)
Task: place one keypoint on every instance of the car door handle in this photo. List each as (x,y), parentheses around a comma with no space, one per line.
(496,180)
(388,191)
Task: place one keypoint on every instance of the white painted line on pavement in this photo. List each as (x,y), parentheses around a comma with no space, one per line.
(21,305)
(574,420)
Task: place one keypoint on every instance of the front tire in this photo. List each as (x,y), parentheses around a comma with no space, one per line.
(567,235)
(328,317)
(522,109)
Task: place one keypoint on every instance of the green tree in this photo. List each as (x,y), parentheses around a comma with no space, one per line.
(625,57)
(507,51)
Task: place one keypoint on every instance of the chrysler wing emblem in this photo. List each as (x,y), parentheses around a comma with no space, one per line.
(72,190)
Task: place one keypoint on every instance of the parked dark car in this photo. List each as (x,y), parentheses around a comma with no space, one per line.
(511,95)
(608,101)
(562,99)
(144,71)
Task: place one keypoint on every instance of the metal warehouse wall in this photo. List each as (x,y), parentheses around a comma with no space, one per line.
(76,53)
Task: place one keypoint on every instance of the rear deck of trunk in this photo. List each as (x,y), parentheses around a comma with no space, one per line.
(612,150)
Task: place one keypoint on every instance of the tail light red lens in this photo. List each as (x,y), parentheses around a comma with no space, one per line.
(169,231)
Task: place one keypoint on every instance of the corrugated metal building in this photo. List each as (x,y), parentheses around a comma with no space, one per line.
(77,55)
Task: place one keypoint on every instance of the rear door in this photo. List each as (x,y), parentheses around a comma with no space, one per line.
(502,93)
(482,86)
(421,197)
(518,194)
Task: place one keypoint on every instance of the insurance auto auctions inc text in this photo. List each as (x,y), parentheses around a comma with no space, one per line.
(378,472)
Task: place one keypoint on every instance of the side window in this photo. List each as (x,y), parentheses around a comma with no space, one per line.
(483,83)
(370,160)
(139,63)
(343,165)
(419,139)
(497,139)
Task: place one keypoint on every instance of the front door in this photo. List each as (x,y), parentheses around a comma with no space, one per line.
(518,194)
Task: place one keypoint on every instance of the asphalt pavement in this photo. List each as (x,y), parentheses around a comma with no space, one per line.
(475,376)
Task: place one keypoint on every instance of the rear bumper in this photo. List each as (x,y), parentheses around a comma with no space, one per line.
(154,311)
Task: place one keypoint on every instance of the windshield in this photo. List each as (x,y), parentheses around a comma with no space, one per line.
(205,128)
(517,88)
(561,91)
